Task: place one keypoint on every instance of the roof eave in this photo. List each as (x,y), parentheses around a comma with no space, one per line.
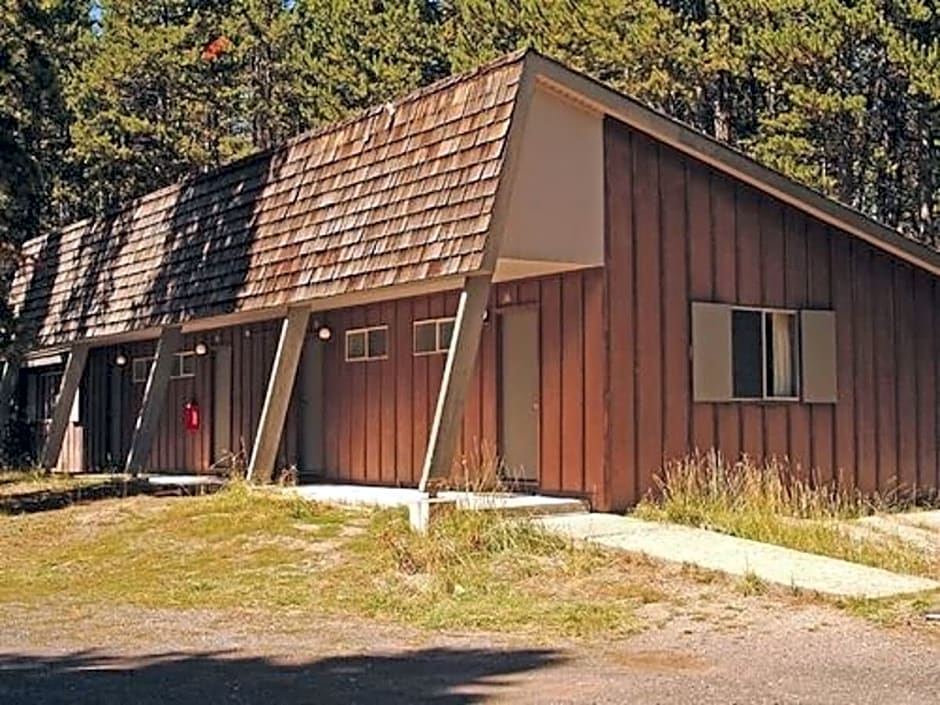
(733,163)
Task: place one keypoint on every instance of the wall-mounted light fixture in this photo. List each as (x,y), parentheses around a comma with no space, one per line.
(120,359)
(324,332)
(201,349)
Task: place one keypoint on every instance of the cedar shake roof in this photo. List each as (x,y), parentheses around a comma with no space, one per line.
(403,193)
(399,194)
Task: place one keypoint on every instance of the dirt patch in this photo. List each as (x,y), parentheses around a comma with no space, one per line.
(108,653)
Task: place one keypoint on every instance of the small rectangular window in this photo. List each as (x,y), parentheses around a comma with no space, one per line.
(141,369)
(184,365)
(355,344)
(433,336)
(764,360)
(367,344)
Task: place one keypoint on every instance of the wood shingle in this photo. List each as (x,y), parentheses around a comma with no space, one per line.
(398,194)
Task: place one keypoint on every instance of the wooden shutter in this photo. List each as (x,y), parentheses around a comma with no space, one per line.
(818,356)
(711,352)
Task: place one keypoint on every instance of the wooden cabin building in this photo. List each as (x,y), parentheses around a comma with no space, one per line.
(517,263)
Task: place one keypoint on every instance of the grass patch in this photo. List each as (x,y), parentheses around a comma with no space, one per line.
(244,549)
(892,611)
(771,504)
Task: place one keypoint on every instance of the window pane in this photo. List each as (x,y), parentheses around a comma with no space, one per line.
(141,369)
(746,356)
(447,331)
(355,345)
(187,365)
(781,355)
(378,342)
(425,335)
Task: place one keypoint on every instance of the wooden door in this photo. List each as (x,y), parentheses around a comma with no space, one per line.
(519,393)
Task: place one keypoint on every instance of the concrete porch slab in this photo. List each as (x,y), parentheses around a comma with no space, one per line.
(372,496)
(183,480)
(736,556)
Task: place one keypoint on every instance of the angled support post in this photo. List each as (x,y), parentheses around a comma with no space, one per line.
(171,340)
(277,398)
(11,375)
(461,357)
(64,401)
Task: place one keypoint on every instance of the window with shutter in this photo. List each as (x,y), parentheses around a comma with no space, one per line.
(762,354)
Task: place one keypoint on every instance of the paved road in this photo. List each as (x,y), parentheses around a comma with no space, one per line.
(793,655)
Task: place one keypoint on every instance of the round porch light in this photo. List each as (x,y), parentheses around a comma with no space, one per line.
(201,349)
(120,360)
(324,333)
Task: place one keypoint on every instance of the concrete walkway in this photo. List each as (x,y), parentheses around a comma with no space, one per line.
(375,496)
(728,554)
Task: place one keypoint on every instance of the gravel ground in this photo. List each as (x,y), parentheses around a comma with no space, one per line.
(758,654)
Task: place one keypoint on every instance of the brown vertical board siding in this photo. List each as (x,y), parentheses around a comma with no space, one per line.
(359,403)
(551,343)
(844,465)
(419,411)
(926,387)
(345,393)
(724,229)
(701,284)
(435,364)
(773,256)
(372,400)
(529,292)
(795,296)
(595,389)
(748,249)
(936,357)
(388,434)
(866,429)
(572,384)
(407,423)
(619,217)
(330,402)
(648,334)
(404,469)
(819,262)
(906,341)
(750,293)
(676,388)
(885,376)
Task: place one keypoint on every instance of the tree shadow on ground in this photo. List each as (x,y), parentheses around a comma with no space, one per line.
(444,676)
(120,487)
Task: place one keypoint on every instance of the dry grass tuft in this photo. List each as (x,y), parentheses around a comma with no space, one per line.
(769,503)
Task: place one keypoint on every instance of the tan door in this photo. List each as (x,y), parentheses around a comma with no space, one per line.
(519,393)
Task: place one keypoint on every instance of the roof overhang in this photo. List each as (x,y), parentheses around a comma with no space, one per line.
(729,161)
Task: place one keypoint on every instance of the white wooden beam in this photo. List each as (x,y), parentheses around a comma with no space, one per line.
(277,399)
(461,357)
(64,401)
(171,340)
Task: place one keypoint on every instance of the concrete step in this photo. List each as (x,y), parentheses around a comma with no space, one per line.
(511,503)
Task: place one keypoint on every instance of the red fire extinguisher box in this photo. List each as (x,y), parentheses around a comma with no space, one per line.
(191,416)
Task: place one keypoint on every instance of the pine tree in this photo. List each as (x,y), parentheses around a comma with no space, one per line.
(637,47)
(36,40)
(154,98)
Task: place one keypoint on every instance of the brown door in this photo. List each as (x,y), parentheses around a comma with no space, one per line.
(519,393)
